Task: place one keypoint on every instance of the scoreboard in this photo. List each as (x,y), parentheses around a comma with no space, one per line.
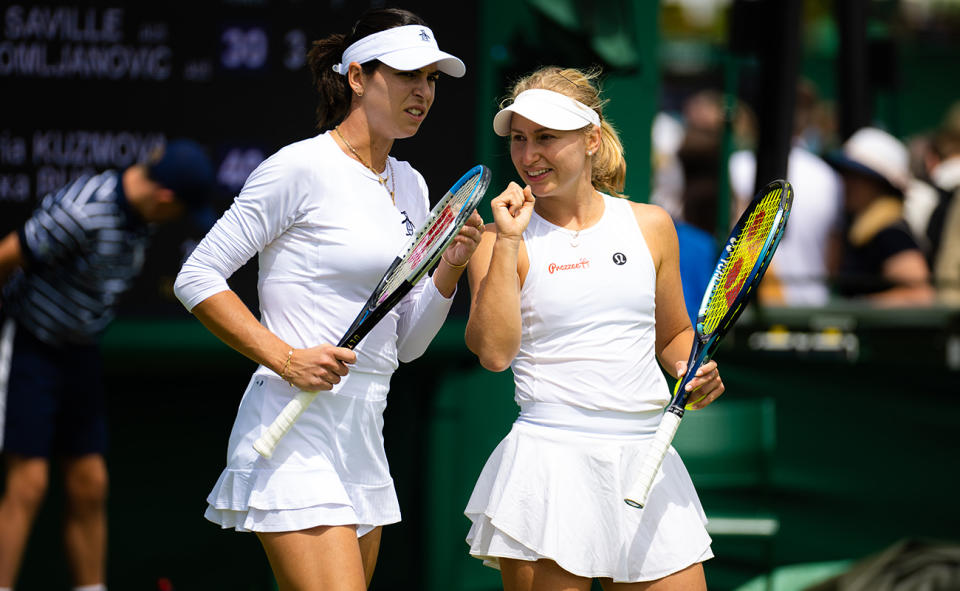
(91,85)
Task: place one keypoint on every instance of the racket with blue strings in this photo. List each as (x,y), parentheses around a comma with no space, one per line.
(422,253)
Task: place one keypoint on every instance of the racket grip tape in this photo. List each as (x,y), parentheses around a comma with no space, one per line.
(637,492)
(266,444)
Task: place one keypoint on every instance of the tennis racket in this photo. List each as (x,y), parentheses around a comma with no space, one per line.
(418,257)
(742,263)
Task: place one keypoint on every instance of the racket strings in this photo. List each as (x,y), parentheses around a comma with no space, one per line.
(426,243)
(745,251)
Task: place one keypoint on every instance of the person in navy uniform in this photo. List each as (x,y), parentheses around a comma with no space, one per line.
(63,272)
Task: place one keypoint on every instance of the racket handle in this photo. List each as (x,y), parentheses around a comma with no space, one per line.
(637,491)
(266,444)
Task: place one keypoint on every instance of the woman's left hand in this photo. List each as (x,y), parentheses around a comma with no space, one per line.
(465,243)
(705,387)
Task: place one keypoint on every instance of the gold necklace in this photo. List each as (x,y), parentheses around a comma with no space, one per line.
(383,181)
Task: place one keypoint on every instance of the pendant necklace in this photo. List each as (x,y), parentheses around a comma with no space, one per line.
(389,168)
(575,236)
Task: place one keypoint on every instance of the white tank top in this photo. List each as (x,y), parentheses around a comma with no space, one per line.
(587,308)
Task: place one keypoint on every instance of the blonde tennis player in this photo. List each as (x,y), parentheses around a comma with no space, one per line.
(577,290)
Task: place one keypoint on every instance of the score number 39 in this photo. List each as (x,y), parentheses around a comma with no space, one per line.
(248,48)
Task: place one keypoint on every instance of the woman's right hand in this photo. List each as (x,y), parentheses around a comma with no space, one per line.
(512,209)
(318,368)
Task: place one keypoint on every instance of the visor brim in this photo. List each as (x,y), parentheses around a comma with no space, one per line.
(542,114)
(414,59)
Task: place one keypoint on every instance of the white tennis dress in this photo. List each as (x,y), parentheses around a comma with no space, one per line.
(591,394)
(325,230)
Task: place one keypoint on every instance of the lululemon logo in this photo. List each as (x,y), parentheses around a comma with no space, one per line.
(424,36)
(619,258)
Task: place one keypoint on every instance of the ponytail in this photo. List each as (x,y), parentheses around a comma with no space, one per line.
(332,87)
(609,173)
(334,90)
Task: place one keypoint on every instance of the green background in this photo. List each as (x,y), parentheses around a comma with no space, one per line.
(865,442)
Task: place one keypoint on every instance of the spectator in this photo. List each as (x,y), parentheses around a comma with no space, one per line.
(944,230)
(694,207)
(881,259)
(798,273)
(688,147)
(698,249)
(921,198)
(667,134)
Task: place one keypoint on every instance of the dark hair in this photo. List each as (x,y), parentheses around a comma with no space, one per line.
(334,91)
(699,157)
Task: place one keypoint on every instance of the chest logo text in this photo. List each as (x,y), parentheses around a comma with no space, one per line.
(581,264)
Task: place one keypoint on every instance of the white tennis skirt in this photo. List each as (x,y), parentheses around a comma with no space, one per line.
(553,488)
(330,468)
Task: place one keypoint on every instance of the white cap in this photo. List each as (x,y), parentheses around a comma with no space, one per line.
(876,153)
(409,47)
(550,109)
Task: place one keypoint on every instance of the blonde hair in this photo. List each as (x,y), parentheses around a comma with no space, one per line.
(609,171)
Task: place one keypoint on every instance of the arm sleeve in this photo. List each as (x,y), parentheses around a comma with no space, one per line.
(424,309)
(265,208)
(422,313)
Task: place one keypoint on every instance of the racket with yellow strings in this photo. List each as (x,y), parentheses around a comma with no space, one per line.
(743,261)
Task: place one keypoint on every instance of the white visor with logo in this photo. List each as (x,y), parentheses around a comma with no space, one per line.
(410,47)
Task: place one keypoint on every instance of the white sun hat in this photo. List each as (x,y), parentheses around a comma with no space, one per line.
(550,109)
(409,47)
(875,153)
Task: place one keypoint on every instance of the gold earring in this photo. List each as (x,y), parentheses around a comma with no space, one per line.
(359,92)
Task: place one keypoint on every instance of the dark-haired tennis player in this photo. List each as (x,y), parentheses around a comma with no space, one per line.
(578,291)
(63,273)
(326,216)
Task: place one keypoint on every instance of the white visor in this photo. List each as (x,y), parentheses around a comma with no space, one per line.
(410,47)
(547,108)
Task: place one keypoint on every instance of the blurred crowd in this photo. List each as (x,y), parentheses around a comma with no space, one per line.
(876,217)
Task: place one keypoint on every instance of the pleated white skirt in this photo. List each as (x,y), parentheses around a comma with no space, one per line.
(330,469)
(553,488)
